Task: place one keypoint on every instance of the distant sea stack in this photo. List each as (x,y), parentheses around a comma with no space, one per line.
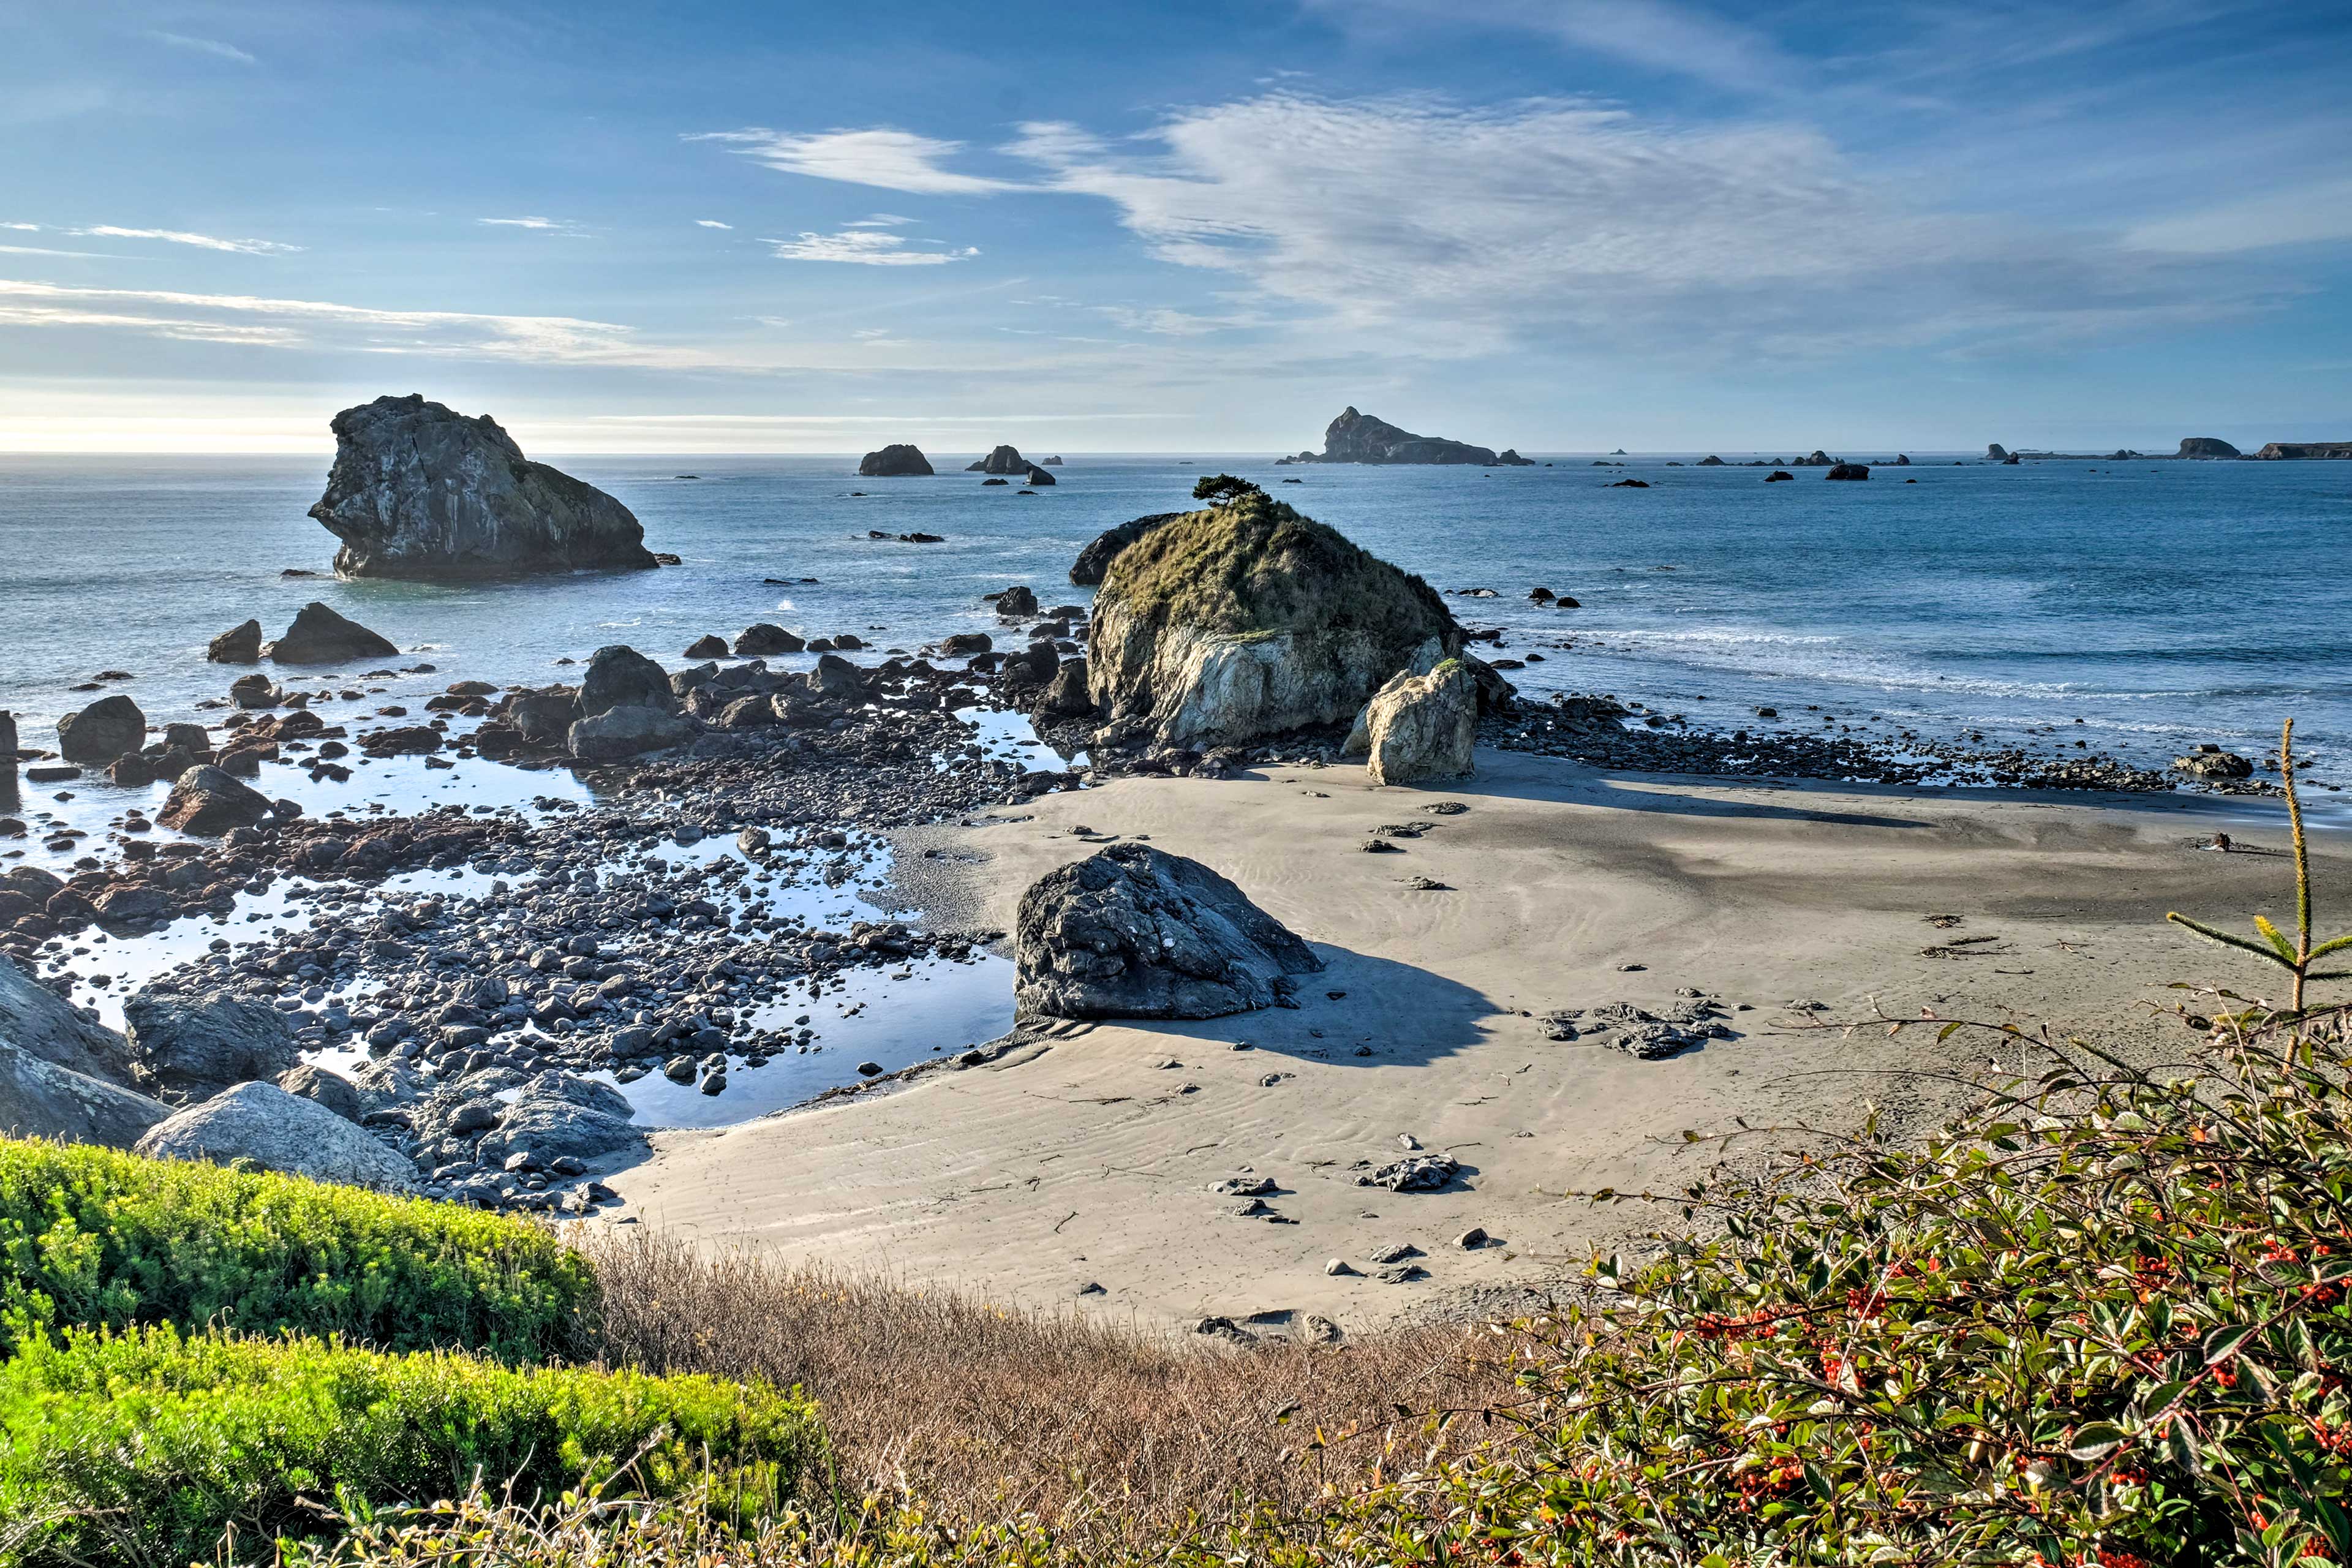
(2305,451)
(897,461)
(419,490)
(1004,460)
(1995,453)
(2206,447)
(1356,438)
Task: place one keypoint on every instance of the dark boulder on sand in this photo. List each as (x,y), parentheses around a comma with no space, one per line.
(1004,460)
(1136,932)
(320,635)
(897,461)
(420,491)
(101,731)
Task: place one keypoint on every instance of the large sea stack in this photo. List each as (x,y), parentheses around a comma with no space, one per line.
(419,490)
(1004,460)
(1356,438)
(1249,619)
(2206,447)
(898,460)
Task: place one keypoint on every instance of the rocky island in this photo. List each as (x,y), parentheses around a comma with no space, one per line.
(898,460)
(419,490)
(1356,438)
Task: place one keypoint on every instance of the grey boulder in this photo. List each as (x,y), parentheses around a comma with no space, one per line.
(1419,726)
(1134,932)
(321,635)
(317,1085)
(183,1051)
(103,731)
(239,645)
(419,490)
(36,1020)
(561,1114)
(207,802)
(627,731)
(618,675)
(278,1131)
(41,1100)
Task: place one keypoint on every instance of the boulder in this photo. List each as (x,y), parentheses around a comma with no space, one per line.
(1848,471)
(2213,763)
(255,691)
(103,731)
(331,1090)
(278,1131)
(628,731)
(1004,460)
(836,676)
(2206,447)
(545,718)
(706,647)
(1094,559)
(207,802)
(7,744)
(1014,604)
(419,490)
(1419,726)
(1039,477)
(559,1115)
(239,645)
(41,1100)
(37,1021)
(898,460)
(1065,696)
(1248,620)
(320,635)
(965,644)
(620,677)
(1135,933)
(183,1051)
(765,641)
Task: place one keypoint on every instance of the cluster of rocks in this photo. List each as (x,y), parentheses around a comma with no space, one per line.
(1692,1019)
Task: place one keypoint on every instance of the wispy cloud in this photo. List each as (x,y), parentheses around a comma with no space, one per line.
(885,159)
(557,226)
(22,227)
(865,247)
(212,46)
(45,250)
(181,236)
(879,220)
(711,223)
(2300,216)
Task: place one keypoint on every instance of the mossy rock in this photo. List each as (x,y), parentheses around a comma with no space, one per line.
(1249,619)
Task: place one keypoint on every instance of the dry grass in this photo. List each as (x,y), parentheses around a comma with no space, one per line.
(1109,1434)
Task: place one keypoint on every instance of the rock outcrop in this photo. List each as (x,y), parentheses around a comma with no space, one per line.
(1819,459)
(62,1076)
(1104,548)
(103,731)
(1248,620)
(278,1131)
(562,1114)
(39,1022)
(239,645)
(627,730)
(1419,726)
(1995,453)
(1848,471)
(2206,447)
(321,635)
(619,675)
(1004,460)
(2305,451)
(183,1051)
(1053,462)
(207,802)
(1134,932)
(1356,438)
(897,461)
(420,491)
(1039,477)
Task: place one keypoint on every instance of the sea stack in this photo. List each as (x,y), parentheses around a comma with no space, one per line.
(898,460)
(1248,619)
(419,490)
(1354,437)
(1004,460)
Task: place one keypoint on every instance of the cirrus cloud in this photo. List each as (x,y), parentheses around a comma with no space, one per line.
(865,247)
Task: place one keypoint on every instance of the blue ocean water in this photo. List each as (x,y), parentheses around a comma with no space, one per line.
(2161,603)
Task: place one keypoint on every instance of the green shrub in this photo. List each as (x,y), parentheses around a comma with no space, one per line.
(151,1448)
(2103,1322)
(96,1238)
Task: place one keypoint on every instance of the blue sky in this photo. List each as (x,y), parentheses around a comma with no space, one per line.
(1653,224)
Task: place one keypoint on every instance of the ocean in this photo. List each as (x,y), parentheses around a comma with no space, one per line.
(2161,603)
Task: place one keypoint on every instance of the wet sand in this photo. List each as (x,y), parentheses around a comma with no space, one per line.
(1088,1157)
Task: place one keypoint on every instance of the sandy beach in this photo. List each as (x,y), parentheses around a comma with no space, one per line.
(1088,1157)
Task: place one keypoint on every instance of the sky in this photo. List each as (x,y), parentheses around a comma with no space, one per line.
(1562,226)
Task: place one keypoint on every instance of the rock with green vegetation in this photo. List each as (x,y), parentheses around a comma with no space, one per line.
(1419,726)
(1249,620)
(97,1238)
(152,1446)
(1093,561)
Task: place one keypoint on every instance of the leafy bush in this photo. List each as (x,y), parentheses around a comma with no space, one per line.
(150,1448)
(2103,1322)
(96,1238)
